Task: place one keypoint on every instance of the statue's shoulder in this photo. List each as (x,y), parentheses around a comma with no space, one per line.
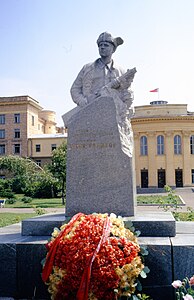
(89,66)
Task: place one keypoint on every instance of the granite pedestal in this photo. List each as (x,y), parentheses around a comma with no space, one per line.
(169,258)
(150,224)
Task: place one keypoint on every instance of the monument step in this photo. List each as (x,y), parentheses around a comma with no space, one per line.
(160,224)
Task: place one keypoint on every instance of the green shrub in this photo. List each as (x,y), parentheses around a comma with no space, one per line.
(10,200)
(39,210)
(26,199)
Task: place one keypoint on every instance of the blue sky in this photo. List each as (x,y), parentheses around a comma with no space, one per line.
(44,44)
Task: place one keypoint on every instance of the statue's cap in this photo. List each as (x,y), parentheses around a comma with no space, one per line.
(107,37)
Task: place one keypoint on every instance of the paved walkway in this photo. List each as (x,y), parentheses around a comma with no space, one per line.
(31,210)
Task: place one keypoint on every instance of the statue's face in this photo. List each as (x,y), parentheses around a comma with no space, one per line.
(106,49)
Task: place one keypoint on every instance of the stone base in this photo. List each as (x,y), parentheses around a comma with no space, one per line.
(169,258)
(151,224)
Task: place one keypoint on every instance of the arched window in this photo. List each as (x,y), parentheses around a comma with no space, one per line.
(160,144)
(143,145)
(177,144)
(192,144)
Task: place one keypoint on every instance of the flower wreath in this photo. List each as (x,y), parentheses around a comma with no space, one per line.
(93,257)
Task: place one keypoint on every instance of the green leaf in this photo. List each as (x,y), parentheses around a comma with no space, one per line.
(146,269)
(138,233)
(143,274)
(143,250)
(139,286)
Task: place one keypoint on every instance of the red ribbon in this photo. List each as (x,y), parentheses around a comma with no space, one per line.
(52,251)
(82,293)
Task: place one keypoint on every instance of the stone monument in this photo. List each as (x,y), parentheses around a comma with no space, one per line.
(100,168)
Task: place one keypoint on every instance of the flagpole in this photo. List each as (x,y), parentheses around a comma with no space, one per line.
(158,95)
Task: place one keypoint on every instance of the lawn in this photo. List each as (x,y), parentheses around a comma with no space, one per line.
(43,203)
(12,218)
(57,202)
(156,200)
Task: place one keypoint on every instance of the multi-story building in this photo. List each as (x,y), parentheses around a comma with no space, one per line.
(163,139)
(27,130)
(164,145)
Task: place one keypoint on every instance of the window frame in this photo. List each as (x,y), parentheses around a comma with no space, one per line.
(2,146)
(17,146)
(2,118)
(160,144)
(192,144)
(38,147)
(53,147)
(17,118)
(143,145)
(38,162)
(177,145)
(2,133)
(17,132)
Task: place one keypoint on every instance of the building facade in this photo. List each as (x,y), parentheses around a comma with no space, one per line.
(163,139)
(164,145)
(27,130)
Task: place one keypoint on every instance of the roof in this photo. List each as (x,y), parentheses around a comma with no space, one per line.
(48,135)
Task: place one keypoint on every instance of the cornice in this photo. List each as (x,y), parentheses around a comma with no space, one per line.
(161,118)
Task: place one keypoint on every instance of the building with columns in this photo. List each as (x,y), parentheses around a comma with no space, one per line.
(163,139)
(164,145)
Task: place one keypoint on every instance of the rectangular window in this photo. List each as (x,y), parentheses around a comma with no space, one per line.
(2,133)
(160,145)
(2,119)
(192,176)
(16,149)
(16,118)
(38,148)
(38,162)
(177,144)
(2,149)
(53,147)
(143,145)
(17,133)
(32,120)
(192,144)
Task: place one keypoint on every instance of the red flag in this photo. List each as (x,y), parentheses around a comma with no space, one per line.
(155,90)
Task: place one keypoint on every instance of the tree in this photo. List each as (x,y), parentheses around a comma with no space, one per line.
(28,177)
(58,167)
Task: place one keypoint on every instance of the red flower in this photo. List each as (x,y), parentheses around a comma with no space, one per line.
(89,256)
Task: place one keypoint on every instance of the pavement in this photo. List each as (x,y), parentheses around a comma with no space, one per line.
(31,210)
(185,193)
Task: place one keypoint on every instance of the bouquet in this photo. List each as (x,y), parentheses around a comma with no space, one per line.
(93,257)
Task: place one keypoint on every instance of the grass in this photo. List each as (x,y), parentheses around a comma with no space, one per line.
(156,200)
(43,203)
(12,218)
(184,216)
